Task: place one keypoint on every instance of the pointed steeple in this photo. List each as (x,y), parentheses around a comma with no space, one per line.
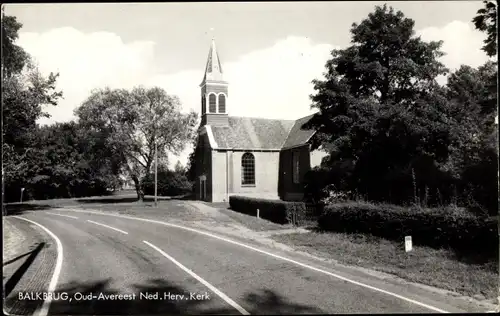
(213,69)
(214,92)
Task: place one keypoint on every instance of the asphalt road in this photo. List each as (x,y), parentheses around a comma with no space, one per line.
(104,255)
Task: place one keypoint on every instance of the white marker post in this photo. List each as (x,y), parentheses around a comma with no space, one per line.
(258,215)
(408,244)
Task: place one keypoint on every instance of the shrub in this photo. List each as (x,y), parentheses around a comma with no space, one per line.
(281,212)
(332,195)
(170,183)
(437,227)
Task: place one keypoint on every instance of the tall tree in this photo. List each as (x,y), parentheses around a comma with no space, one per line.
(24,93)
(13,56)
(486,21)
(133,121)
(91,165)
(474,159)
(381,109)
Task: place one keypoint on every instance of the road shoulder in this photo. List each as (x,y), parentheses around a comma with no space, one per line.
(29,260)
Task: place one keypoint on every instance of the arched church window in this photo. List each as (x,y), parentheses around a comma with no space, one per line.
(248,169)
(212,103)
(222,103)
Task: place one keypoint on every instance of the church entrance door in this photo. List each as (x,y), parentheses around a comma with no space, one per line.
(203,189)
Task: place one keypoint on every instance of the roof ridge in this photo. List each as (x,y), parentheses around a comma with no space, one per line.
(261,118)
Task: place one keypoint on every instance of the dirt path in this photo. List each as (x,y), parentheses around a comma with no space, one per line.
(209,212)
(221,223)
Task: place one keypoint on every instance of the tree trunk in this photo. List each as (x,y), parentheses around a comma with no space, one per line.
(138,189)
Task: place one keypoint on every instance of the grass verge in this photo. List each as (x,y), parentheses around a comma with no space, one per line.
(252,222)
(439,268)
(248,221)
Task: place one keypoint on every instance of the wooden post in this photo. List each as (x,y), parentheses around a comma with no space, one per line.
(408,244)
(258,215)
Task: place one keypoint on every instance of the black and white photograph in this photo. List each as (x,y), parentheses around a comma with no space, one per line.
(267,158)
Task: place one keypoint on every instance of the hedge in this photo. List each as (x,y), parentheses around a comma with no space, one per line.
(276,211)
(437,227)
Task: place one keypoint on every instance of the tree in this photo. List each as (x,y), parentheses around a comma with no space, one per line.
(170,183)
(66,161)
(381,110)
(179,168)
(132,121)
(486,21)
(474,91)
(24,92)
(473,98)
(191,165)
(14,57)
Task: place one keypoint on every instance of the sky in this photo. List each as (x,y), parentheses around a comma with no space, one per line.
(270,51)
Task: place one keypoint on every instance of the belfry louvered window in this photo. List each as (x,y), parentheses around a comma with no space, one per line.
(248,169)
(222,103)
(212,103)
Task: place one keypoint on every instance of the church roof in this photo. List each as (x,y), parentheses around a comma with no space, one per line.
(298,135)
(260,133)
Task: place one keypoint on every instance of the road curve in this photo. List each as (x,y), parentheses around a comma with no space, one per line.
(112,255)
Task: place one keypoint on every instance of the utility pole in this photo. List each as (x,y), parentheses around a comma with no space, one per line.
(156,159)
(3,190)
(156,173)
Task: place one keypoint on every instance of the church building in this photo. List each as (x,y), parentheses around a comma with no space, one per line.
(255,157)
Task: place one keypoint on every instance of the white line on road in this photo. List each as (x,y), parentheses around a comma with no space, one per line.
(272,255)
(118,230)
(57,271)
(197,277)
(62,215)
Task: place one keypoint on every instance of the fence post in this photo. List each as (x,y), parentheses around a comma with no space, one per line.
(258,215)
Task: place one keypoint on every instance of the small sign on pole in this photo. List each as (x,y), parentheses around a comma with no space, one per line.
(408,244)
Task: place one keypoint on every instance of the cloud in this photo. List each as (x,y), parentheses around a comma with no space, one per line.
(274,82)
(461,43)
(84,62)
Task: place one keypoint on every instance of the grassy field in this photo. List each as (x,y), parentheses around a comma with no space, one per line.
(440,268)
(122,202)
(249,221)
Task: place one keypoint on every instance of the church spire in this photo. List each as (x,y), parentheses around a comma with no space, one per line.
(213,69)
(214,92)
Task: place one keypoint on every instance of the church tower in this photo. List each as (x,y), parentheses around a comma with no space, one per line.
(214,92)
